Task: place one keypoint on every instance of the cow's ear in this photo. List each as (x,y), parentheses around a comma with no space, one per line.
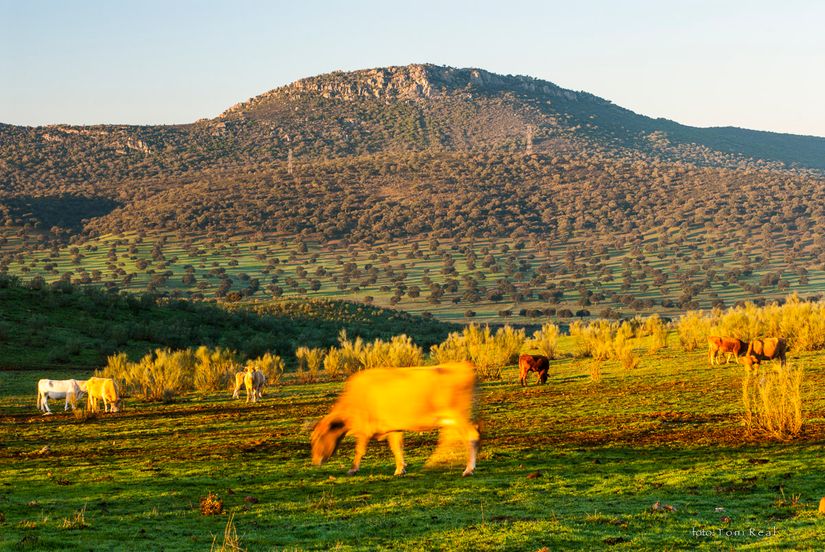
(336,424)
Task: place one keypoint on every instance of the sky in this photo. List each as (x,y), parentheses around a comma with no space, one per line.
(753,64)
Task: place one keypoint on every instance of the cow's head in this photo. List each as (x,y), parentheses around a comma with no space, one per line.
(326,437)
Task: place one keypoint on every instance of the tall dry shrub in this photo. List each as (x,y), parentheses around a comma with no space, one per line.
(693,328)
(773,402)
(271,365)
(545,340)
(350,352)
(333,363)
(214,369)
(163,374)
(658,331)
(309,363)
(119,369)
(489,352)
(622,351)
(594,340)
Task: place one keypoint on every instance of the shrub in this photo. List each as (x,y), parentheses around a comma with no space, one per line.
(309,363)
(623,351)
(693,329)
(162,374)
(489,352)
(271,365)
(544,341)
(595,371)
(214,369)
(658,332)
(773,402)
(595,339)
(118,368)
(400,351)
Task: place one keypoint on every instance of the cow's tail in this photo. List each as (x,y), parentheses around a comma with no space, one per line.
(39,394)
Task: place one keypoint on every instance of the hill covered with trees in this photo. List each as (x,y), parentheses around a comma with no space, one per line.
(407,154)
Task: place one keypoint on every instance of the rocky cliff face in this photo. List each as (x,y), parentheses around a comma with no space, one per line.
(409,82)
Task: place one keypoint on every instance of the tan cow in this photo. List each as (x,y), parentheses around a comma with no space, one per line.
(381,403)
(770,348)
(725,345)
(254,381)
(102,389)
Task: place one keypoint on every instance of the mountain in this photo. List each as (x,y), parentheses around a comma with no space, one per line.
(407,151)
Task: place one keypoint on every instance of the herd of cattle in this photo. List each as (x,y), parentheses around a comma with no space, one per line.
(382,403)
(104,389)
(748,353)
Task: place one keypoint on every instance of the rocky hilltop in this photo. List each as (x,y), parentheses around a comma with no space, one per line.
(408,82)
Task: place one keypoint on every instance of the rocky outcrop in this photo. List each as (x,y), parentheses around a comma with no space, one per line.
(409,82)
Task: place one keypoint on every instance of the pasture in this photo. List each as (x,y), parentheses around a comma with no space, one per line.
(651,458)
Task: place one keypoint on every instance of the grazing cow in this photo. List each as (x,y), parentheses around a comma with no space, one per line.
(102,389)
(381,403)
(254,381)
(770,348)
(239,376)
(59,389)
(533,363)
(727,346)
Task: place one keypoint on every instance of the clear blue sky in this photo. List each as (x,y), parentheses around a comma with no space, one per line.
(755,64)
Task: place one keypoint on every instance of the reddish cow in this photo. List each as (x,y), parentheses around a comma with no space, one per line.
(533,363)
(727,346)
(770,348)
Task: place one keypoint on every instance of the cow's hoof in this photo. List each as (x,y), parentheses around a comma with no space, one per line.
(402,471)
(352,471)
(467,472)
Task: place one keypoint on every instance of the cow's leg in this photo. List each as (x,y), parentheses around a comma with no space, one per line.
(396,442)
(471,434)
(538,378)
(66,403)
(45,404)
(361,442)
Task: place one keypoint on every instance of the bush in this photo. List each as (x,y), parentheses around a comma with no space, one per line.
(773,402)
(693,329)
(658,332)
(214,369)
(163,374)
(545,341)
(271,365)
(309,363)
(489,352)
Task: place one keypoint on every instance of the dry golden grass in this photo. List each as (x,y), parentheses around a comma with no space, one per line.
(773,402)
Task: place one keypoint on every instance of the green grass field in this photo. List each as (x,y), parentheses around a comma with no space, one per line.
(572,464)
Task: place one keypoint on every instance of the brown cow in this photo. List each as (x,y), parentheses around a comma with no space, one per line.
(533,363)
(770,348)
(381,403)
(727,346)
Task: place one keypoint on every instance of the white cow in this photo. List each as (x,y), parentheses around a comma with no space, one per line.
(59,389)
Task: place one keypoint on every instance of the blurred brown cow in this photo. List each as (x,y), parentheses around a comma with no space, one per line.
(533,363)
(770,348)
(381,403)
(727,346)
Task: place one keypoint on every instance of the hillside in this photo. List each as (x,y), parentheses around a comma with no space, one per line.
(602,202)
(61,326)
